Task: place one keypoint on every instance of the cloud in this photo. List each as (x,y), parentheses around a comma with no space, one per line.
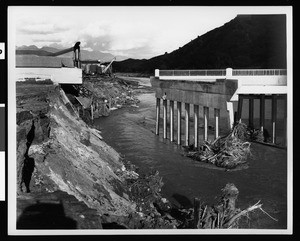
(96,29)
(136,32)
(47,40)
(117,37)
(88,49)
(45,28)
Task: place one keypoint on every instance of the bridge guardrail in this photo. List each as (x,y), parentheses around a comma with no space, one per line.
(213,72)
(222,72)
(247,72)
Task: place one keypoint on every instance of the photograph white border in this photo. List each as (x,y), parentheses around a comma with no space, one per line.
(12,210)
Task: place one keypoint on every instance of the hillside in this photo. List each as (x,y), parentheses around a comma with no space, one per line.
(247,41)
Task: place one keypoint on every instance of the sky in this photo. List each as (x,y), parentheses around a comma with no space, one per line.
(134,32)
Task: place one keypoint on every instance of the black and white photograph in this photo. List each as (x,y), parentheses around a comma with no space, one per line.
(149,120)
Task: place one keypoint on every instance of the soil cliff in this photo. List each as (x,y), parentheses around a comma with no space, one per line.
(69,177)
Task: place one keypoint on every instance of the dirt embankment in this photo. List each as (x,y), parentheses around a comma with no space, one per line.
(65,171)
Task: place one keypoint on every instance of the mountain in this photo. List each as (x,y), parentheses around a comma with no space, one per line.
(247,41)
(85,55)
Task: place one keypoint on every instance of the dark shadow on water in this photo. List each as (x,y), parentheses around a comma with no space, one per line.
(45,216)
(182,200)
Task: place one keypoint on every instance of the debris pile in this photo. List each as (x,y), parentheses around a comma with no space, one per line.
(113,91)
(227,152)
(223,215)
(145,190)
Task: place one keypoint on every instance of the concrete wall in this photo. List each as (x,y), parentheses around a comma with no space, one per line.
(57,75)
(210,94)
(280,80)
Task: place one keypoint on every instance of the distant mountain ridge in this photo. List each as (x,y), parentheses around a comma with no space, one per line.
(247,41)
(85,55)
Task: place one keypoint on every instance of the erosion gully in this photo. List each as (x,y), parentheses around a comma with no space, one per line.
(184,179)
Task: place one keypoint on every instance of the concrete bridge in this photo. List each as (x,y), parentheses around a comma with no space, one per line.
(222,90)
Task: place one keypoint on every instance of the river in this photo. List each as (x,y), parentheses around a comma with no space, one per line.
(131,132)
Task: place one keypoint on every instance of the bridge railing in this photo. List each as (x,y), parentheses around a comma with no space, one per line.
(221,72)
(249,72)
(204,72)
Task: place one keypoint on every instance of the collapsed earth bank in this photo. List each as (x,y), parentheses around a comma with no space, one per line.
(65,171)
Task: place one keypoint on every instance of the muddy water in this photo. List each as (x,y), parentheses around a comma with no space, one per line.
(131,132)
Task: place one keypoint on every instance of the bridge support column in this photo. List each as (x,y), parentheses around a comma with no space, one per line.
(239,111)
(206,117)
(285,120)
(187,117)
(274,114)
(178,122)
(157,115)
(231,113)
(217,118)
(165,118)
(262,112)
(251,109)
(196,116)
(171,120)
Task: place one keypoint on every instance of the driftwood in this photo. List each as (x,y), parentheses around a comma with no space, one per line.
(225,214)
(228,151)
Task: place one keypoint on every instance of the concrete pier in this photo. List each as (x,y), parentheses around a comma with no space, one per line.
(165,118)
(171,120)
(274,115)
(262,112)
(239,110)
(206,117)
(157,115)
(251,111)
(209,94)
(217,119)
(178,122)
(196,116)
(187,121)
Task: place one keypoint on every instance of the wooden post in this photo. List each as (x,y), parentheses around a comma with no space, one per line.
(157,115)
(178,122)
(92,112)
(274,114)
(251,108)
(206,117)
(262,112)
(187,117)
(217,118)
(239,111)
(171,120)
(196,212)
(196,116)
(165,118)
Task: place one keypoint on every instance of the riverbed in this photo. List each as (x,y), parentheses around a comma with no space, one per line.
(131,132)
